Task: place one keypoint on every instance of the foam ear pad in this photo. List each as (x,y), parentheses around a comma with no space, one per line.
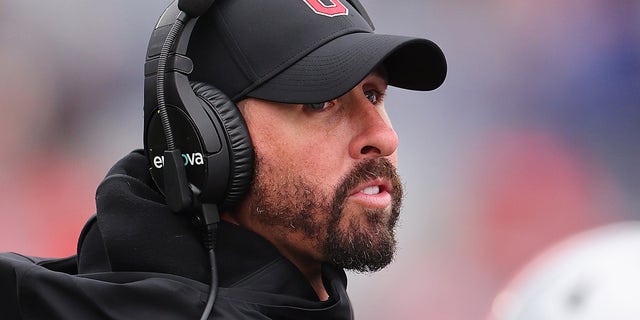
(237,137)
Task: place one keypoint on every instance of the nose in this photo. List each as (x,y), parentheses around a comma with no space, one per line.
(374,135)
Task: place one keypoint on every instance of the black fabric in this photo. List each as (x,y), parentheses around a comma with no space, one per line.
(94,258)
(285,51)
(139,231)
(152,268)
(9,301)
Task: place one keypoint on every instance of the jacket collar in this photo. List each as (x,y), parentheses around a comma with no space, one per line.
(135,231)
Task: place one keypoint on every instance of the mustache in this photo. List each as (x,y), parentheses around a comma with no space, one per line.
(367,170)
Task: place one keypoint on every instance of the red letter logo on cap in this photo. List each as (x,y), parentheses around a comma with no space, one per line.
(334,9)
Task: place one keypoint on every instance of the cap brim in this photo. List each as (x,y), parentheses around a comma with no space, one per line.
(339,65)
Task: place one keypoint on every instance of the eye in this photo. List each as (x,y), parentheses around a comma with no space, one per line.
(374,96)
(321,106)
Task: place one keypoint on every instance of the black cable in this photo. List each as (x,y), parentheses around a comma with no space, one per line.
(213,289)
(211,221)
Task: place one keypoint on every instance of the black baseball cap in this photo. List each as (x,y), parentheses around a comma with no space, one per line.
(304,51)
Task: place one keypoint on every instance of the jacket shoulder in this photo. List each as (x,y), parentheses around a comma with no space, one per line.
(12,265)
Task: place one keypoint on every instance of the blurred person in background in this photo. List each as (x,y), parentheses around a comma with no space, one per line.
(591,275)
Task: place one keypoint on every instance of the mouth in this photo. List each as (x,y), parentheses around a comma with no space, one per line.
(371,190)
(374,193)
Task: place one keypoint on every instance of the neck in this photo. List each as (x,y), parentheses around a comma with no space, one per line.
(311,269)
(292,247)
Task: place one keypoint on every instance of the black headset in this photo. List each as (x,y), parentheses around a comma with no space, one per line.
(192,129)
(215,150)
(196,141)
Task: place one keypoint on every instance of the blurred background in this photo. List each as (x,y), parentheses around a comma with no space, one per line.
(532,138)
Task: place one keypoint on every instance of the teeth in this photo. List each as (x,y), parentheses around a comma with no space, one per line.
(371,190)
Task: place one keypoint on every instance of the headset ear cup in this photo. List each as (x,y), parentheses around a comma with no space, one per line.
(238,139)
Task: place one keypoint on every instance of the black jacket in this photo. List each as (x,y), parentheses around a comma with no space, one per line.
(138,260)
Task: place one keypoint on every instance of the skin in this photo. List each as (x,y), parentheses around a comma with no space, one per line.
(315,148)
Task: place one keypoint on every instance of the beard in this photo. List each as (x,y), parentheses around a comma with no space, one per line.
(362,241)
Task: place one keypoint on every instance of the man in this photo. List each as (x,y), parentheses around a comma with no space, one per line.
(309,79)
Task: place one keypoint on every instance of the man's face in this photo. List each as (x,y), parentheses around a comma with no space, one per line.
(326,184)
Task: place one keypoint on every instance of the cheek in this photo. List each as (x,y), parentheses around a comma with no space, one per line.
(326,158)
(316,154)
(317,161)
